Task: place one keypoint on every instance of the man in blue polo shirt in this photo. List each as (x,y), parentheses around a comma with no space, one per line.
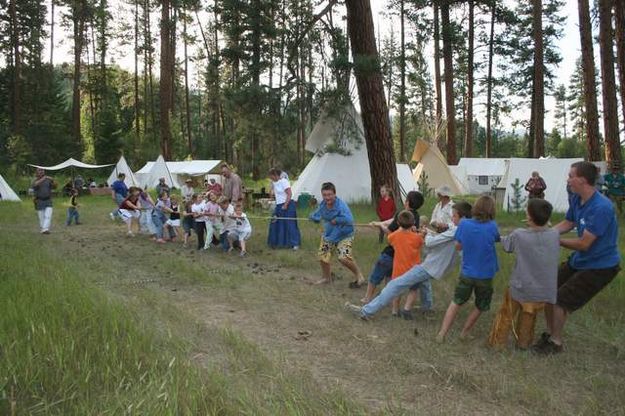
(119,193)
(595,259)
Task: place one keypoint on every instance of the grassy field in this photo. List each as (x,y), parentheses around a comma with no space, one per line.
(94,322)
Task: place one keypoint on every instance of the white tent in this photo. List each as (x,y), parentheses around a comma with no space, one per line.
(6,193)
(553,171)
(431,162)
(348,170)
(479,175)
(185,169)
(122,167)
(71,163)
(149,175)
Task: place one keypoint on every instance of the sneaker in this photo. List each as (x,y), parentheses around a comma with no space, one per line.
(548,348)
(295,248)
(112,216)
(407,315)
(130,234)
(243,254)
(356,311)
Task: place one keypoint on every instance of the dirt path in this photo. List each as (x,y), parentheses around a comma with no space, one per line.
(388,365)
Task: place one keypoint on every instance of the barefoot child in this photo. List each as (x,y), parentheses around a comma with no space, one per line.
(439,261)
(187,219)
(173,223)
(407,244)
(534,279)
(72,210)
(476,238)
(242,230)
(130,208)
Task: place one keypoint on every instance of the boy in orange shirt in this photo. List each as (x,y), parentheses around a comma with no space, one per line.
(407,244)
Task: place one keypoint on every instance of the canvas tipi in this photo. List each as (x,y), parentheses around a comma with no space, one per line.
(431,162)
(122,167)
(149,175)
(6,193)
(347,164)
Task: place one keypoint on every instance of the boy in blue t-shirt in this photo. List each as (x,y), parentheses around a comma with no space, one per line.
(476,237)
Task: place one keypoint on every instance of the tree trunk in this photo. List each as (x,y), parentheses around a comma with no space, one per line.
(608,84)
(590,88)
(437,80)
(489,81)
(531,143)
(165,81)
(539,79)
(402,84)
(449,85)
(373,105)
(186,86)
(52,33)
(468,122)
(17,69)
(136,80)
(79,36)
(619,34)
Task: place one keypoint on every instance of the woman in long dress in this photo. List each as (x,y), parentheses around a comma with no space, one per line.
(283,233)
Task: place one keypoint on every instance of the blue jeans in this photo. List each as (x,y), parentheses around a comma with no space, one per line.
(158,219)
(225,242)
(382,270)
(118,201)
(396,287)
(72,214)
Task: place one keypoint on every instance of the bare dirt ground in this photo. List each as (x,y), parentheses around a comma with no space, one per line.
(388,365)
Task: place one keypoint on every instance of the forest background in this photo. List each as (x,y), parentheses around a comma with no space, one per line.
(245,80)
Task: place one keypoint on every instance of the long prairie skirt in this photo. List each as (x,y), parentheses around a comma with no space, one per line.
(284,233)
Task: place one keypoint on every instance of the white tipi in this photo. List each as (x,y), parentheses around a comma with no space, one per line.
(6,193)
(348,169)
(122,167)
(149,176)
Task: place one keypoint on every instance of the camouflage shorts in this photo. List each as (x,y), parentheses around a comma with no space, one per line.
(343,249)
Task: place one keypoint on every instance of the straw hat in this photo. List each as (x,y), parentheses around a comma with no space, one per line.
(444,190)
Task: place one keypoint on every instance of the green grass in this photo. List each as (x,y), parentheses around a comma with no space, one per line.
(92,322)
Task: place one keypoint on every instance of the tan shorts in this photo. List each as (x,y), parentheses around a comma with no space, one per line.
(343,249)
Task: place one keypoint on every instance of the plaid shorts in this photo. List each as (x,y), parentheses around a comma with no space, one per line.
(343,248)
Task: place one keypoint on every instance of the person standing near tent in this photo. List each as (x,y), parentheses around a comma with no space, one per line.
(42,187)
(119,192)
(615,184)
(187,190)
(283,231)
(595,259)
(338,235)
(442,214)
(214,187)
(233,186)
(162,187)
(536,186)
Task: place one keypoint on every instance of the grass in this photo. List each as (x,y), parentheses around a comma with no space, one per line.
(92,322)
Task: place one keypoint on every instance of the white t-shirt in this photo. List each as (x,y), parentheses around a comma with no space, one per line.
(199,208)
(243,224)
(442,214)
(279,190)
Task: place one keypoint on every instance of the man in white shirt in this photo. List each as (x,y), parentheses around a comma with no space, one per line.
(441,216)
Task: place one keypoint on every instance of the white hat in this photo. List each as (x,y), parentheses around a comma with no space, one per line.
(444,190)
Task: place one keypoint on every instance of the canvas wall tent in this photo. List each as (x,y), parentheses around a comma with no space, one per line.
(6,193)
(553,171)
(149,175)
(430,161)
(348,172)
(479,175)
(185,169)
(122,167)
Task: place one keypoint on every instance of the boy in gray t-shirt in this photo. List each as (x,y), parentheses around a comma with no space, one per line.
(534,279)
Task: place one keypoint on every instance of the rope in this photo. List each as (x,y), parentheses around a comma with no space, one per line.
(355,224)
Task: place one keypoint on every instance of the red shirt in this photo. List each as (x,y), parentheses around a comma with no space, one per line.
(386,208)
(124,204)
